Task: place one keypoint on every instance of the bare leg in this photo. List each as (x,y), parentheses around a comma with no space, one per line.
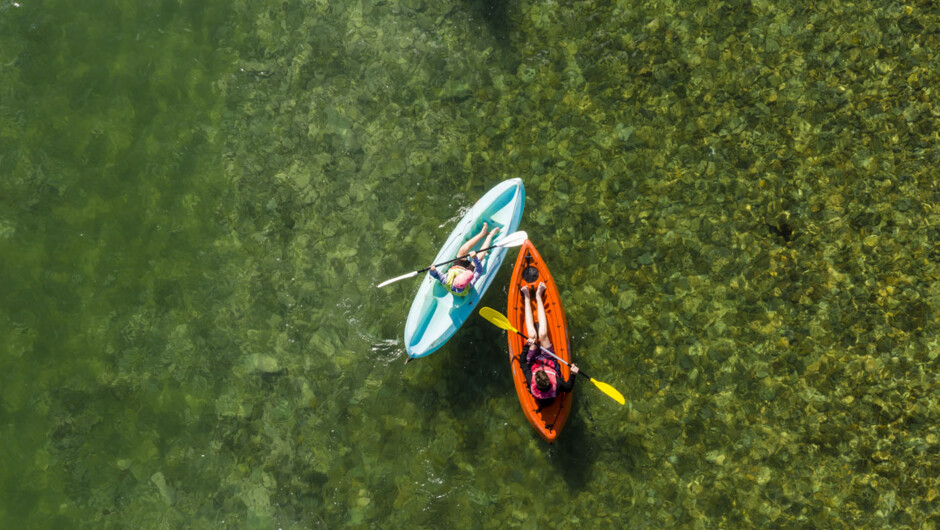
(543,321)
(468,246)
(529,322)
(487,243)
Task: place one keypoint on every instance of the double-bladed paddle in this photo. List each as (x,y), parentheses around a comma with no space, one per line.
(501,321)
(512,240)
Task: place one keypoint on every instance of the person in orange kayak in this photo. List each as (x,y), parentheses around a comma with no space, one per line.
(542,372)
(463,273)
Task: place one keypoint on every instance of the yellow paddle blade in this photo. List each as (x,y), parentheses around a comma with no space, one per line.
(497,318)
(610,391)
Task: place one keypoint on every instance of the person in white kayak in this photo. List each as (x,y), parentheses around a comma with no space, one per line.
(542,372)
(463,273)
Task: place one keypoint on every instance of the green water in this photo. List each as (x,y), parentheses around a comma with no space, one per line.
(741,203)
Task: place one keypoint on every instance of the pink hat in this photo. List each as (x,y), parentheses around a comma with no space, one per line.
(463,280)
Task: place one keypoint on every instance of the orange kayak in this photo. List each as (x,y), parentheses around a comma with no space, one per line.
(531,270)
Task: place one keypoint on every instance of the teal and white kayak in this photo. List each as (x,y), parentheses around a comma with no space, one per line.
(436,314)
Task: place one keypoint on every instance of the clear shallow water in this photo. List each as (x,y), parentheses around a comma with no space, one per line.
(195,202)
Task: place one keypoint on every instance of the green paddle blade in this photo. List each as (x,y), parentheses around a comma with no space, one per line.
(610,391)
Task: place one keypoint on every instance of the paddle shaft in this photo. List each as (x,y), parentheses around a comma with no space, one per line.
(501,321)
(512,240)
(580,371)
(426,269)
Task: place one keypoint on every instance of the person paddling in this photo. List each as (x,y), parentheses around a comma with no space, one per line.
(463,273)
(542,372)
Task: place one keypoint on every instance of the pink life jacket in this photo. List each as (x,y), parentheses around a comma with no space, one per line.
(541,363)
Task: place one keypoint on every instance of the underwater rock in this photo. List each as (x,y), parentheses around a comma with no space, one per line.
(265,364)
(167,493)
